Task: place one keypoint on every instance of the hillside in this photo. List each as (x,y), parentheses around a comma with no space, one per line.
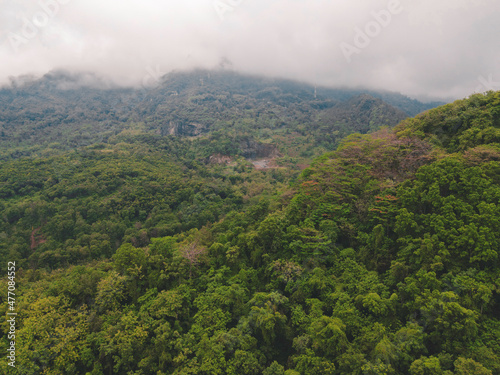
(63,111)
(80,152)
(150,254)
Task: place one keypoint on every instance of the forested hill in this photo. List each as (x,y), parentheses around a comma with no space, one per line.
(138,258)
(63,111)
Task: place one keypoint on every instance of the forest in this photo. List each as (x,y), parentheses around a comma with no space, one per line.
(157,247)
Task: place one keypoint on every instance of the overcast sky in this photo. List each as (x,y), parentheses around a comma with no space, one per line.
(423,48)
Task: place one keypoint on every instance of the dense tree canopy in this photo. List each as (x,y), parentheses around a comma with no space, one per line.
(381,257)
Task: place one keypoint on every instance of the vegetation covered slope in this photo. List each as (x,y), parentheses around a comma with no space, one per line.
(63,111)
(82,205)
(381,259)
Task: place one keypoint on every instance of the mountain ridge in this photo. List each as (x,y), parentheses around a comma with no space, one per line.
(74,110)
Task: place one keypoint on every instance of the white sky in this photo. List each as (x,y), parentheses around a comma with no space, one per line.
(428,48)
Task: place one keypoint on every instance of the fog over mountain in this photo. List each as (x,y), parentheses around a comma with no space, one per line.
(424,49)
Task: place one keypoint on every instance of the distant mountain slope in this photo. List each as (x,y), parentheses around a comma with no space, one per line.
(411,107)
(66,110)
(363,113)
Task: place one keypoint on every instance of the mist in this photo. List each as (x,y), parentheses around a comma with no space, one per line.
(423,49)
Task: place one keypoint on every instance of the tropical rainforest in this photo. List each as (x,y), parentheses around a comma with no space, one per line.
(225,224)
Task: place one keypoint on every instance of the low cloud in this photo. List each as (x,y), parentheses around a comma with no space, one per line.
(424,49)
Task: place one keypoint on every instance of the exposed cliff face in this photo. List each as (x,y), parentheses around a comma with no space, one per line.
(254,150)
(185,129)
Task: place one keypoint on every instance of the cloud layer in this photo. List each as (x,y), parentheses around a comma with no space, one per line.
(446,49)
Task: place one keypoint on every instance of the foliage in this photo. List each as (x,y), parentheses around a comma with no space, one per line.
(380,258)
